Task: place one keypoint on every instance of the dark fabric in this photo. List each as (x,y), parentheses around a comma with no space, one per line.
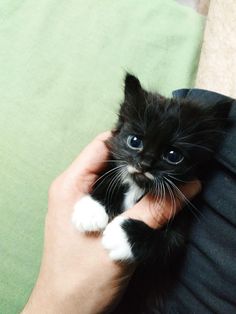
(207,279)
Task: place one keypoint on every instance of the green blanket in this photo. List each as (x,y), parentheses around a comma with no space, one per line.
(61,68)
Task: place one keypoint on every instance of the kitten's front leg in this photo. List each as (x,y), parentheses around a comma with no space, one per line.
(131,240)
(89,215)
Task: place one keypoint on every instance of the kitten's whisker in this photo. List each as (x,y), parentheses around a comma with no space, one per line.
(164,193)
(203,132)
(114,160)
(112,185)
(164,190)
(107,172)
(103,177)
(157,198)
(108,195)
(180,193)
(197,145)
(180,173)
(109,187)
(160,196)
(196,125)
(115,154)
(156,192)
(119,177)
(173,204)
(184,198)
(174,178)
(110,161)
(163,173)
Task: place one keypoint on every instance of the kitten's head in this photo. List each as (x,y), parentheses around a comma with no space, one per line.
(161,141)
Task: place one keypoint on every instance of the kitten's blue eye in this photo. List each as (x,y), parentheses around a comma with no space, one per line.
(134,142)
(173,157)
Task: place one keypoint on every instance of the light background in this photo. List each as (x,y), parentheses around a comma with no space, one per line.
(61,69)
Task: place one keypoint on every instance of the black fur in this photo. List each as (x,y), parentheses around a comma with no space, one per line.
(194,130)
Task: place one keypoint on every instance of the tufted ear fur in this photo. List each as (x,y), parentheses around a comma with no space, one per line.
(134,100)
(133,88)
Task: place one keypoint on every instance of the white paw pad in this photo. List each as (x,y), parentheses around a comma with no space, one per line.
(116,242)
(89,215)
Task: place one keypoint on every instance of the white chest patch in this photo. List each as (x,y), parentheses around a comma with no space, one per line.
(132,196)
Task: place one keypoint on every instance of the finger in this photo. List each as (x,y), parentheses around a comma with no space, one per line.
(90,161)
(155,213)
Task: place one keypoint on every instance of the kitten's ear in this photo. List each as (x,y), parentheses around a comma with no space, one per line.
(132,88)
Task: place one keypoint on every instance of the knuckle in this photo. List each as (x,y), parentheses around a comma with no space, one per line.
(103,136)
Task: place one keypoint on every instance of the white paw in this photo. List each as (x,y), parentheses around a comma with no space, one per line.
(116,242)
(89,215)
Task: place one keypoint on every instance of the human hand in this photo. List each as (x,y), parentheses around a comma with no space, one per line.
(77,275)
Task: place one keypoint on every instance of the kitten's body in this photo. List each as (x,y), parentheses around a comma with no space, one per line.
(154,276)
(157,145)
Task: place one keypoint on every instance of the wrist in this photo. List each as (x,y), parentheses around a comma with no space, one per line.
(50,297)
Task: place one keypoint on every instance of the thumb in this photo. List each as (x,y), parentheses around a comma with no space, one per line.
(156,212)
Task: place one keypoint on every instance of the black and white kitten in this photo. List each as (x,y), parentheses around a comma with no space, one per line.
(158,143)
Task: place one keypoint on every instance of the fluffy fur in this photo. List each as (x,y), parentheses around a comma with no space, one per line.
(157,144)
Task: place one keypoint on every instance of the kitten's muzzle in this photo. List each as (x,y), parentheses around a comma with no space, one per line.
(139,174)
(142,179)
(143,166)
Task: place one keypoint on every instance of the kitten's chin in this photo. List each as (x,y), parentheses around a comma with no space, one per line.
(143,180)
(140,180)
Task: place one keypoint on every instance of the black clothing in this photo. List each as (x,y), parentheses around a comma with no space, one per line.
(207,279)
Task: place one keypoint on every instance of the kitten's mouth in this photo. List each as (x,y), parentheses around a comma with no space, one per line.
(138,176)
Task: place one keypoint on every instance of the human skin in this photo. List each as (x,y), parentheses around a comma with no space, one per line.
(76,274)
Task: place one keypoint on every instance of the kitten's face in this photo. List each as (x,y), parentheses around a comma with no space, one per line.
(162,142)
